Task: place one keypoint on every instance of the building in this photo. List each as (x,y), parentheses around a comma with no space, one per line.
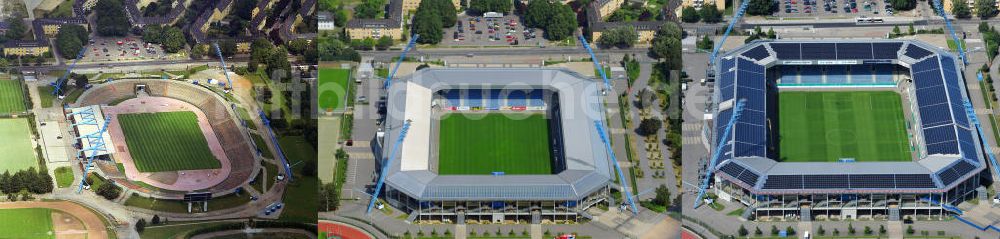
(49,27)
(136,17)
(25,48)
(416,183)
(391,26)
(325,21)
(599,10)
(719,4)
(213,14)
(944,167)
(949,4)
(411,5)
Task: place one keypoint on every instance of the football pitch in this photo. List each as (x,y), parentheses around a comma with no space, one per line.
(26,223)
(166,141)
(332,88)
(18,151)
(828,126)
(11,97)
(494,143)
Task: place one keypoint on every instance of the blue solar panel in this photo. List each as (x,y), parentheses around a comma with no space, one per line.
(746,65)
(949,147)
(727,79)
(727,64)
(825,181)
(819,51)
(854,51)
(748,177)
(939,134)
(886,50)
(931,95)
(916,52)
(749,150)
(967,145)
(872,181)
(757,53)
(535,98)
(783,182)
(935,115)
(787,51)
(517,98)
(755,98)
(927,79)
(726,93)
(475,98)
(720,125)
(750,80)
(914,181)
(732,169)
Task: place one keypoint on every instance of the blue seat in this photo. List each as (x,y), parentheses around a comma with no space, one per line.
(836,75)
(475,98)
(883,73)
(517,98)
(811,75)
(789,75)
(493,100)
(535,98)
(453,98)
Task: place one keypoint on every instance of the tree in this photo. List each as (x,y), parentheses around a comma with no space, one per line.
(667,45)
(774,230)
(881,229)
(537,13)
(80,80)
(227,47)
(429,26)
(369,9)
(903,5)
(109,191)
(850,229)
(156,219)
(868,230)
(820,231)
(649,126)
(173,40)
(790,230)
(743,231)
(111,19)
(16,28)
(68,41)
(761,7)
(896,31)
(757,231)
(710,14)
(706,43)
(384,42)
(297,46)
(198,51)
(910,30)
(909,230)
(690,15)
(621,37)
(771,34)
(152,34)
(562,24)
(986,8)
(140,225)
(960,9)
(478,7)
(984,27)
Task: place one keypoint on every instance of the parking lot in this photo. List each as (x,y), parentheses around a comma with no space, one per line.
(122,49)
(481,31)
(843,8)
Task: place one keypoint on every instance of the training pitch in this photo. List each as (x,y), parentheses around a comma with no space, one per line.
(828,126)
(477,144)
(166,141)
(11,97)
(18,151)
(332,88)
(26,223)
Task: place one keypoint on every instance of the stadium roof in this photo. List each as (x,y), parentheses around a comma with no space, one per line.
(85,125)
(949,148)
(587,167)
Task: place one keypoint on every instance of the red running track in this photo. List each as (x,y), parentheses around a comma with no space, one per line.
(342,231)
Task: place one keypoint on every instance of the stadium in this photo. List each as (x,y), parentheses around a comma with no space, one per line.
(493,145)
(165,139)
(843,129)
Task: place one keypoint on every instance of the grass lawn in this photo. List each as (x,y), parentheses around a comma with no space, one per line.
(176,230)
(64,10)
(300,195)
(73,95)
(245,116)
(738,212)
(332,88)
(517,144)
(258,182)
(828,126)
(272,171)
(328,147)
(178,206)
(26,223)
(64,177)
(11,97)
(45,94)
(262,145)
(18,151)
(166,141)
(951,43)
(95,181)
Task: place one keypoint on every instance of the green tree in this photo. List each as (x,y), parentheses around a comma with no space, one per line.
(152,34)
(621,37)
(761,7)
(537,13)
(960,9)
(68,41)
(667,45)
(227,47)
(297,46)
(757,231)
(743,231)
(429,26)
(140,225)
(662,197)
(16,29)
(384,42)
(690,15)
(986,8)
(790,230)
(649,126)
(111,19)
(369,9)
(710,14)
(820,231)
(478,7)
(903,5)
(562,24)
(706,43)
(774,230)
(173,40)
(109,191)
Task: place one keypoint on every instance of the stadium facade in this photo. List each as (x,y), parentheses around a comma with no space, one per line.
(581,175)
(948,164)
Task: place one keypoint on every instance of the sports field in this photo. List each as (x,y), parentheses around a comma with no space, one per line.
(166,141)
(26,223)
(828,126)
(332,87)
(11,97)
(18,152)
(494,143)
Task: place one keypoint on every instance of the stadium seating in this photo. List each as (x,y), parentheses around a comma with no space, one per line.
(474,98)
(883,74)
(789,75)
(535,98)
(453,98)
(811,75)
(494,99)
(836,75)
(517,98)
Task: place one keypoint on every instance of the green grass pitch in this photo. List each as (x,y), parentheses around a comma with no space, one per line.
(332,88)
(827,126)
(18,151)
(166,141)
(26,223)
(494,143)
(11,97)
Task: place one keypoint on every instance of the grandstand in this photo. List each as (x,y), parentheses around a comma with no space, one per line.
(224,123)
(856,172)
(490,183)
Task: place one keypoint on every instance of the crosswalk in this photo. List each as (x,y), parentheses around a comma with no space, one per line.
(691,127)
(691,140)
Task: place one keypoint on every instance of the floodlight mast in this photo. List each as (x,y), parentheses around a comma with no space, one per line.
(58,85)
(737,110)
(229,84)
